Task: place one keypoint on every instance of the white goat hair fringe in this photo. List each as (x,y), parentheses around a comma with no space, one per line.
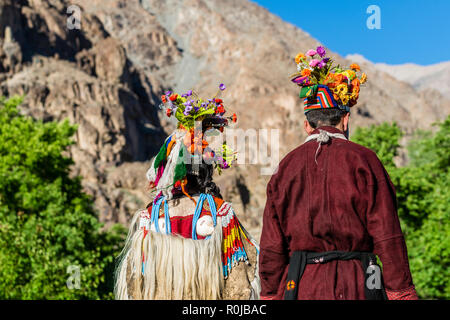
(175,267)
(165,183)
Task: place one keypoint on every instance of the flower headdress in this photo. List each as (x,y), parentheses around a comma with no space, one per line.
(324,85)
(187,145)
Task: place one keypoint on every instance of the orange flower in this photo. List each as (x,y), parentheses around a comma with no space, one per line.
(234,117)
(355,83)
(163,98)
(299,58)
(339,77)
(329,80)
(306,72)
(169,112)
(173,97)
(194,141)
(355,67)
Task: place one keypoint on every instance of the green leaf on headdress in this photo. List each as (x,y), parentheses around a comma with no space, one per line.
(186,121)
(179,114)
(204,112)
(338,69)
(309,91)
(180,168)
(161,156)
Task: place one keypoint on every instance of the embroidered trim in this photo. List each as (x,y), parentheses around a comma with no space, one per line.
(224,208)
(233,250)
(402,294)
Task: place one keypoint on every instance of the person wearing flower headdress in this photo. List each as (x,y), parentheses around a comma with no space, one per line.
(188,243)
(331,206)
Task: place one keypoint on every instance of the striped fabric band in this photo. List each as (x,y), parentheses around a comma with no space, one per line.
(322,100)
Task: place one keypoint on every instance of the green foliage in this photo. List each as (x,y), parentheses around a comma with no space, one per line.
(423,196)
(383,139)
(47,223)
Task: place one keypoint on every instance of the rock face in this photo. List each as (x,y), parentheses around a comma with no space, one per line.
(85,76)
(107,77)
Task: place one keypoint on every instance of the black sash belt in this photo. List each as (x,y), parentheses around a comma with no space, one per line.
(299,260)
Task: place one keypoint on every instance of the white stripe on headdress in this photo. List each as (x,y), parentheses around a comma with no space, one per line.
(165,183)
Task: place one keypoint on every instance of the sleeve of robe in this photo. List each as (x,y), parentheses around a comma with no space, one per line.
(384,227)
(273,255)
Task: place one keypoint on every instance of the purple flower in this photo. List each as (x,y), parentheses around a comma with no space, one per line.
(184,95)
(311,53)
(301,80)
(187,103)
(321,64)
(326,60)
(196,109)
(321,51)
(189,93)
(187,110)
(168,93)
(222,87)
(314,62)
(224,165)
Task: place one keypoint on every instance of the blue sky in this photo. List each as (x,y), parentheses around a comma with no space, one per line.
(415,31)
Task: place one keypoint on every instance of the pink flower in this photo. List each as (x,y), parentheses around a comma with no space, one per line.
(313,63)
(311,53)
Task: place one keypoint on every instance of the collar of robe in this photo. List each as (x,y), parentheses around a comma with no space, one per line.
(322,137)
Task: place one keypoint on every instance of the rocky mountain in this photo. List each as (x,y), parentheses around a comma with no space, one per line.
(422,78)
(107,76)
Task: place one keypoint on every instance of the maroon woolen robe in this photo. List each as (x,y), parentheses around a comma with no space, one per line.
(345,202)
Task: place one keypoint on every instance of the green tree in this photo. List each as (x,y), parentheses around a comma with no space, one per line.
(47,223)
(423,196)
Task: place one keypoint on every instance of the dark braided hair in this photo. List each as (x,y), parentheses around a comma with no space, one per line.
(325,117)
(199,180)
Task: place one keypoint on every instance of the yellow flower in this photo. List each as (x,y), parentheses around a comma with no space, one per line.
(350,74)
(345,99)
(363,78)
(354,96)
(342,89)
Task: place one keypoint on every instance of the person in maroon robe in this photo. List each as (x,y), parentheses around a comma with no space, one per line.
(330,203)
